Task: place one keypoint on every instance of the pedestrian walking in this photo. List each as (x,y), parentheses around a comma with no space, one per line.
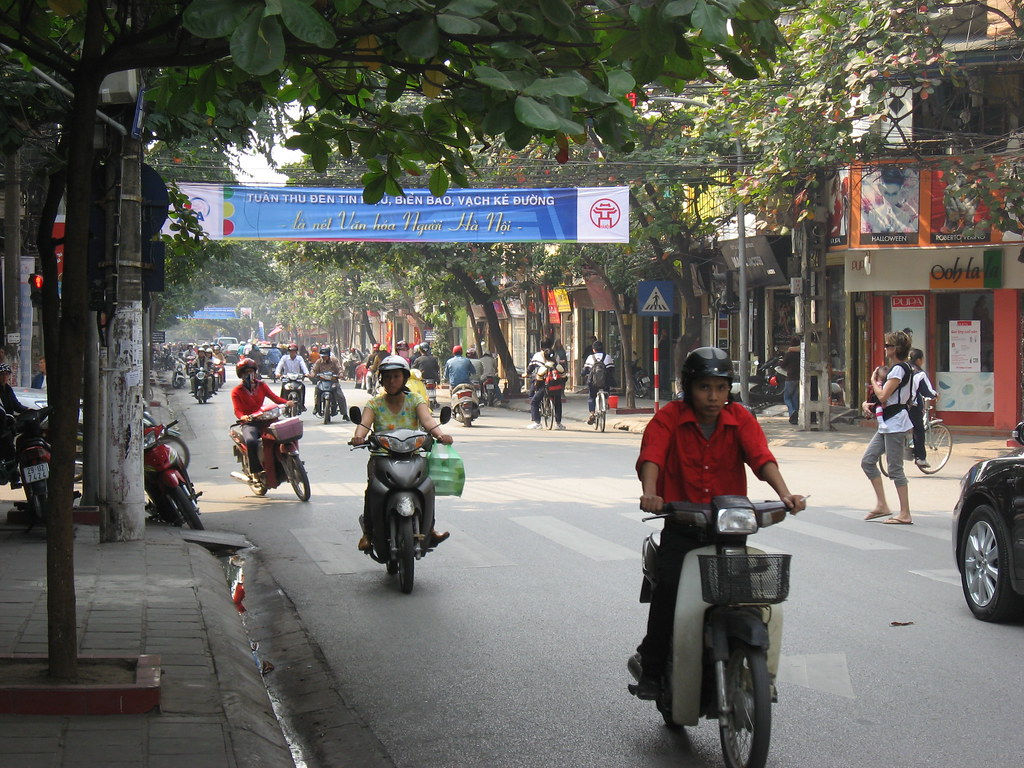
(791,387)
(894,394)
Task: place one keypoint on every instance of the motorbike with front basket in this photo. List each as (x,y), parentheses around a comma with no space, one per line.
(279,441)
(400,498)
(728,625)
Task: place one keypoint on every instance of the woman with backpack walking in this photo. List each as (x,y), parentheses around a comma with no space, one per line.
(597,371)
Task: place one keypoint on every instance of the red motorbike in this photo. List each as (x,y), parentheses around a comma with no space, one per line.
(279,440)
(172,497)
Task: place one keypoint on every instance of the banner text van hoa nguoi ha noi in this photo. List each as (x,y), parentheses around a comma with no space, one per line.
(583,215)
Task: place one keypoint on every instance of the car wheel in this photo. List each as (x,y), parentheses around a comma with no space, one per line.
(985,568)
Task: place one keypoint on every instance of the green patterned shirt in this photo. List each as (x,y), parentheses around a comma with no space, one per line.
(385,420)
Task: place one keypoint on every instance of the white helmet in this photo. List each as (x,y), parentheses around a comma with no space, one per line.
(394,363)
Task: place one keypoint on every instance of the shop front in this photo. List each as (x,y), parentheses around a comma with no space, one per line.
(962,308)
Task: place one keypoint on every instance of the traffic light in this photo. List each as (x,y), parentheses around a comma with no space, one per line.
(35,284)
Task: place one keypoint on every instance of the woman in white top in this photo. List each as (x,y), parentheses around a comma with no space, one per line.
(895,394)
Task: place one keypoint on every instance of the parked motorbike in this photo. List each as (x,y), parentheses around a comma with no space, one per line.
(33,451)
(767,383)
(172,497)
(180,376)
(170,436)
(293,388)
(725,651)
(641,380)
(279,439)
(465,407)
(401,495)
(328,398)
(202,384)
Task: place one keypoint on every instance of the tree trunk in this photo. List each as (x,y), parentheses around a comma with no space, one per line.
(477,296)
(64,322)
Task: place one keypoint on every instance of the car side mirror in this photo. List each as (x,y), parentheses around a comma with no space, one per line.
(1018,433)
(446,414)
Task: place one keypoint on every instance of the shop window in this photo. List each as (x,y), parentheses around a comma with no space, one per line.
(964,349)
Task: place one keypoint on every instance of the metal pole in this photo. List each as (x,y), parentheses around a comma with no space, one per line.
(741,255)
(657,378)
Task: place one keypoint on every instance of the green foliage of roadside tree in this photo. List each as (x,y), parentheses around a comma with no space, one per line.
(478,68)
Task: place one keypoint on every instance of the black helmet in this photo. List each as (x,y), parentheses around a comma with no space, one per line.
(706,361)
(325,351)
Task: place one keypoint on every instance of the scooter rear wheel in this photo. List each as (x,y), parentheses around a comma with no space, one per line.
(748,730)
(406,555)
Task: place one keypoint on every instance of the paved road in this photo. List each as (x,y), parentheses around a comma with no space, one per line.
(511,649)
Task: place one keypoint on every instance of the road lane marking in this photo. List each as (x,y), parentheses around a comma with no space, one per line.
(577,539)
(943,575)
(826,672)
(840,537)
(334,551)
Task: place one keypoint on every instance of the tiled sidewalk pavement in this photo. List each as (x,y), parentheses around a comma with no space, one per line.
(161,596)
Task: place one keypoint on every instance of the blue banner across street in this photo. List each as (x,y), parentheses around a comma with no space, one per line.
(585,215)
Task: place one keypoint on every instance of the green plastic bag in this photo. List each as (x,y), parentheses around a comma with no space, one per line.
(444,465)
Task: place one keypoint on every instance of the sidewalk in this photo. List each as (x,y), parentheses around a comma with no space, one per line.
(978,442)
(163,596)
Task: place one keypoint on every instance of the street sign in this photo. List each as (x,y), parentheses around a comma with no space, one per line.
(158,337)
(14,338)
(655,298)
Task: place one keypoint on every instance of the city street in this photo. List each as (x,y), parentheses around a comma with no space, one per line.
(511,649)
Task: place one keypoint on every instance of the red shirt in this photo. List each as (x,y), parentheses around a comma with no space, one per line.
(692,467)
(246,402)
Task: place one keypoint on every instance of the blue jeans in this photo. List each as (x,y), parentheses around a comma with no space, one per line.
(791,395)
(556,401)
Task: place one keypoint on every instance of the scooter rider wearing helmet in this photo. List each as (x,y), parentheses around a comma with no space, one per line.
(693,450)
(458,369)
(247,399)
(395,407)
(293,363)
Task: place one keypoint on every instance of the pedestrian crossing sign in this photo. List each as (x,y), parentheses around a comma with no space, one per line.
(655,298)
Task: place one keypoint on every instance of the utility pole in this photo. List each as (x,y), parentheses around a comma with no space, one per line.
(123,518)
(813,320)
(12,252)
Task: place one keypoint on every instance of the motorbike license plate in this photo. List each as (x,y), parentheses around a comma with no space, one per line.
(35,472)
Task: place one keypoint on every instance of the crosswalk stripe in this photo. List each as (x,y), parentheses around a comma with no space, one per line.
(943,575)
(577,539)
(796,525)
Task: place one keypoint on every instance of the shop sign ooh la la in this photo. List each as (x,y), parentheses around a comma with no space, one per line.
(967,273)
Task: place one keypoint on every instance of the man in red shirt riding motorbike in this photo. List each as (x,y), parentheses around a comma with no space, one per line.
(247,399)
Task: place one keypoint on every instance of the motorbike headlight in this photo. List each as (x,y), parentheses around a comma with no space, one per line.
(405,507)
(149,440)
(741,520)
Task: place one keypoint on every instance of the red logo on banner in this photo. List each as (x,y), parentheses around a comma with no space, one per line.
(908,302)
(605,213)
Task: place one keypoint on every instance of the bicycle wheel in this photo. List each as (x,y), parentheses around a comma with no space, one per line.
(600,411)
(882,463)
(547,410)
(939,442)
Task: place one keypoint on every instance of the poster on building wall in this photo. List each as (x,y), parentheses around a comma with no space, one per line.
(964,346)
(839,209)
(957,217)
(890,205)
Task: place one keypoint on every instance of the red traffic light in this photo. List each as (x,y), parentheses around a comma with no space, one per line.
(35,281)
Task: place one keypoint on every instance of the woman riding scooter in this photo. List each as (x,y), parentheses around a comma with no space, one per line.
(394,408)
(247,399)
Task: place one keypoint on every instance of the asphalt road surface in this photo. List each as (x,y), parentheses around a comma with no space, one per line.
(511,649)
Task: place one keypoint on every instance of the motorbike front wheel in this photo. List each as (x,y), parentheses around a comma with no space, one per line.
(748,728)
(179,446)
(406,555)
(186,507)
(297,477)
(327,405)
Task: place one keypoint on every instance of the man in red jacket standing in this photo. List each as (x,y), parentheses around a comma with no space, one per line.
(247,399)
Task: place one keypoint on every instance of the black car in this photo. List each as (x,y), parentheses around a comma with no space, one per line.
(988,535)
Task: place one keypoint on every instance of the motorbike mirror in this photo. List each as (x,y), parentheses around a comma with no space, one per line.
(446,414)
(1018,433)
(354,414)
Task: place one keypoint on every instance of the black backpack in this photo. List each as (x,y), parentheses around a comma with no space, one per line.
(598,373)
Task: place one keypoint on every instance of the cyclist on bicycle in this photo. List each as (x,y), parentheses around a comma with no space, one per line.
(548,376)
(922,388)
(598,371)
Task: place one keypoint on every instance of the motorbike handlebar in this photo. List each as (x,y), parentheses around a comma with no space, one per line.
(699,515)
